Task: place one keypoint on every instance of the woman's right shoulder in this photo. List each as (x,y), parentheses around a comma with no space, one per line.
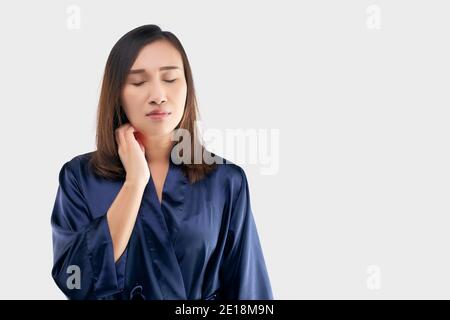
(78,165)
(79,161)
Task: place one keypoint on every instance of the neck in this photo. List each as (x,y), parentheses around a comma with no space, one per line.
(157,149)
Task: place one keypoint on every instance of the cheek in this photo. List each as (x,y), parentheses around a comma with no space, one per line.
(129,101)
(132,95)
(180,95)
(125,98)
(179,103)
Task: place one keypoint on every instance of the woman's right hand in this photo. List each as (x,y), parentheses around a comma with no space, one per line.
(132,154)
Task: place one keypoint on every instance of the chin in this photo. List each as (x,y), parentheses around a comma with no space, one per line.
(158,132)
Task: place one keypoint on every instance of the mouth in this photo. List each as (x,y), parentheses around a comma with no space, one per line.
(158,114)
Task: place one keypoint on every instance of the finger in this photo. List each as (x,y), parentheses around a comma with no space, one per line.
(120,133)
(129,133)
(116,134)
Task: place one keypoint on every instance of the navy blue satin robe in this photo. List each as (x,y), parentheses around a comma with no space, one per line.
(201,242)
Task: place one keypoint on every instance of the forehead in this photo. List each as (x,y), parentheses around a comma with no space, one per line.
(157,54)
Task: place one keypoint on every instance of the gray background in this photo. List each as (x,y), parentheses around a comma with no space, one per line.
(362,114)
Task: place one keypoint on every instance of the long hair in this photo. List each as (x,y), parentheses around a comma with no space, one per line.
(105,161)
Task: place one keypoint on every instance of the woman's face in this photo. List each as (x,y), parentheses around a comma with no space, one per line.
(156,82)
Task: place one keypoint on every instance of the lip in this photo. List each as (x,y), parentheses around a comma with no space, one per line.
(158,114)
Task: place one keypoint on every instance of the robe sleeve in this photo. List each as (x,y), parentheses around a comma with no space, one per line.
(243,272)
(83,256)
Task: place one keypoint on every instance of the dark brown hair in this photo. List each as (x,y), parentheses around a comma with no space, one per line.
(105,161)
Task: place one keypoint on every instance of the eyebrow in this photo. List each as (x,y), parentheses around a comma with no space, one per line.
(135,71)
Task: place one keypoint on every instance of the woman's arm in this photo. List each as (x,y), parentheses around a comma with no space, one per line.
(85,248)
(122,215)
(243,273)
(123,211)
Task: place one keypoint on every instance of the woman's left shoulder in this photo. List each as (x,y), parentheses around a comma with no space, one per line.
(230,172)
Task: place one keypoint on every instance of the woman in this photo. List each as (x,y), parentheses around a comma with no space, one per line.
(138,218)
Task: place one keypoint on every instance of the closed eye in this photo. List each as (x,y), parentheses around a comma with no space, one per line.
(141,83)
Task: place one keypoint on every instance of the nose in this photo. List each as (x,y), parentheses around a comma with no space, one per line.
(157,94)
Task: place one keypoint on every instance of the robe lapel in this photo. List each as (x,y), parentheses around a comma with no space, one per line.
(154,219)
